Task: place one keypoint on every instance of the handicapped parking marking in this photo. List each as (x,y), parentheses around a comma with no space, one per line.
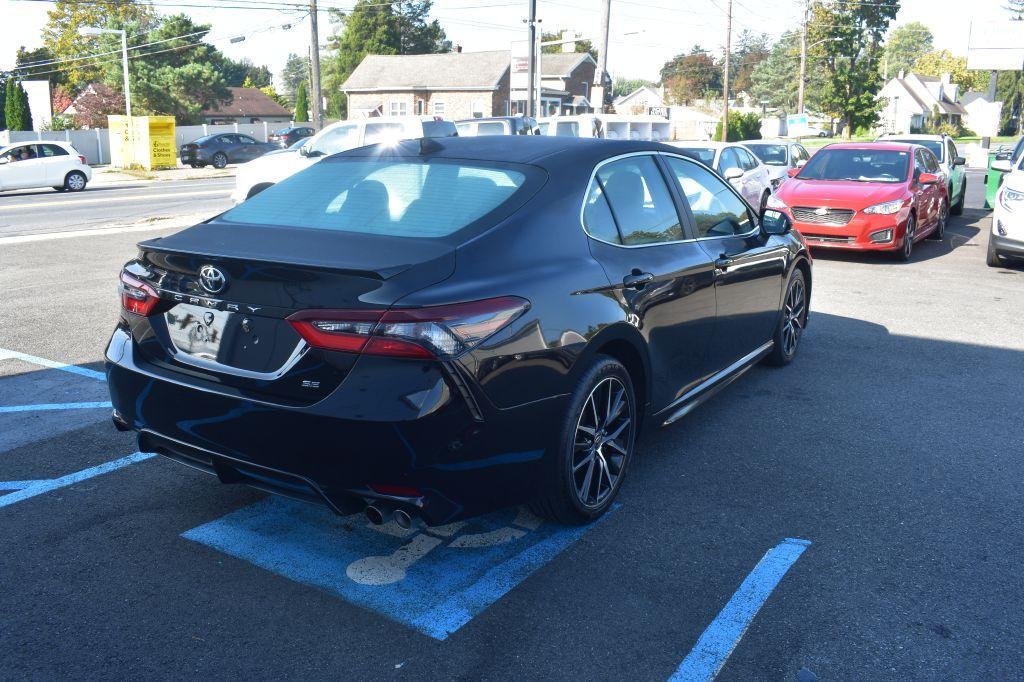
(433,580)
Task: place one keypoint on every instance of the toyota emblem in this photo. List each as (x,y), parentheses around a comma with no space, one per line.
(212,280)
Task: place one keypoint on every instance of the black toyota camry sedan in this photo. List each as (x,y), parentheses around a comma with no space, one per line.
(436,328)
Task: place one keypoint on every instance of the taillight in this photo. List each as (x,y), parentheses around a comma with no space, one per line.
(82,159)
(433,332)
(137,296)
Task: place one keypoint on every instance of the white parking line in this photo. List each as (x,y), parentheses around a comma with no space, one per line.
(44,486)
(6,354)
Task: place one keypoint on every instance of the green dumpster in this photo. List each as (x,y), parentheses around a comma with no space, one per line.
(994,178)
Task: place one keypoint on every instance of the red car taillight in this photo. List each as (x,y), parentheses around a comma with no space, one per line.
(82,159)
(137,296)
(434,332)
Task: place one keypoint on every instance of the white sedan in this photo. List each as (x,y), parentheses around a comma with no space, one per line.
(735,163)
(28,165)
(1007,237)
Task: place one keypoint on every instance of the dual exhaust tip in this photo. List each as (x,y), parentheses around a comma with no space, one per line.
(379,512)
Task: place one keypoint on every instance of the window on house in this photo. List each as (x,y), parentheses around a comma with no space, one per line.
(478,108)
(419,107)
(398,108)
(438,108)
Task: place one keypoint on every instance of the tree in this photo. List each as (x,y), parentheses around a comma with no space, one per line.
(3,102)
(776,79)
(741,127)
(691,76)
(62,40)
(904,46)
(301,103)
(295,71)
(236,72)
(751,50)
(38,64)
(16,111)
(847,40)
(624,86)
(938,62)
(581,45)
(1016,9)
(1010,91)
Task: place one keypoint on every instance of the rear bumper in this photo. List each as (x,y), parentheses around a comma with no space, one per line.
(464,458)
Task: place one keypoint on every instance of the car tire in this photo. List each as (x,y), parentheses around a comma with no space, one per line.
(196,164)
(586,447)
(792,321)
(220,160)
(940,231)
(958,207)
(907,246)
(992,258)
(75,181)
(61,188)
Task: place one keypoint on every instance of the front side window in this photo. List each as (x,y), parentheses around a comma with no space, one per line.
(717,211)
(567,129)
(464,129)
(747,160)
(858,165)
(245,139)
(728,161)
(490,128)
(227,139)
(337,140)
(639,201)
(771,154)
(705,155)
(931,164)
(382,132)
(398,198)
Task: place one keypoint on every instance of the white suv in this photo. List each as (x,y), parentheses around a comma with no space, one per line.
(259,174)
(47,163)
(1007,237)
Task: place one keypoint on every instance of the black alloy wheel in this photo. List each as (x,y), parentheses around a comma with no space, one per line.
(599,435)
(220,160)
(792,321)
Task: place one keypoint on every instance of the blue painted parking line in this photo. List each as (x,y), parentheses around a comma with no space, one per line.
(6,354)
(725,631)
(433,580)
(54,406)
(44,486)
(18,485)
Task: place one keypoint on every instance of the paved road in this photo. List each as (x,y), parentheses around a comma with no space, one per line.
(43,211)
(892,444)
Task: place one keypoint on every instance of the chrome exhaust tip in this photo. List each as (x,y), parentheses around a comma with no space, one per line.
(403,519)
(379,512)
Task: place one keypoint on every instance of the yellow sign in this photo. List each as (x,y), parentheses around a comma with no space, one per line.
(142,142)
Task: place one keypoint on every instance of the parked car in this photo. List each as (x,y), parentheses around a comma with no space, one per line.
(221,149)
(286,137)
(1006,240)
(779,157)
(608,126)
(253,178)
(27,165)
(429,358)
(951,165)
(497,125)
(871,196)
(735,163)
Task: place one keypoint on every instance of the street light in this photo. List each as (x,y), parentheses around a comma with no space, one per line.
(95,31)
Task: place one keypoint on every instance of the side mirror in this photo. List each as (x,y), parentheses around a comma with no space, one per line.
(927,179)
(959,161)
(775,222)
(734,173)
(304,150)
(793,172)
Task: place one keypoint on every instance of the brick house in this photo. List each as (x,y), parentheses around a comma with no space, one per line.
(458,85)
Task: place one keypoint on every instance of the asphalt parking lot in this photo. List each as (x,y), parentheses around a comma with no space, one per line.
(868,495)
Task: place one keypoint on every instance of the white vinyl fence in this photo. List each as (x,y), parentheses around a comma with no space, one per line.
(94,144)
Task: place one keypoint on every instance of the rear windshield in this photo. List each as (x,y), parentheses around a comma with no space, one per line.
(861,165)
(771,154)
(391,197)
(934,146)
(705,155)
(282,131)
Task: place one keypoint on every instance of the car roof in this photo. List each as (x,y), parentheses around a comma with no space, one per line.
(883,146)
(697,144)
(912,136)
(540,150)
(488,118)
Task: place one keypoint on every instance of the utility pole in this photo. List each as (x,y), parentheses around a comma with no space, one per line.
(531,61)
(602,55)
(803,61)
(314,69)
(725,83)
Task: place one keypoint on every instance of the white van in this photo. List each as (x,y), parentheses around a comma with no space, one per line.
(608,126)
(259,174)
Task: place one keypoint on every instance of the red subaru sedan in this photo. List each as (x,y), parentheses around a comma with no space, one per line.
(868,196)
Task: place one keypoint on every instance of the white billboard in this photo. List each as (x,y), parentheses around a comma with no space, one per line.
(519,72)
(996,46)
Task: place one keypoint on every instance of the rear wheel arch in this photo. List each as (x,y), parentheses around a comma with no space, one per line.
(623,343)
(803,265)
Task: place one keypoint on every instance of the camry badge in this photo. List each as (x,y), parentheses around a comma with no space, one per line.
(821,211)
(208,318)
(212,279)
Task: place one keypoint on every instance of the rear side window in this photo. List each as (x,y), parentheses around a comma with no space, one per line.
(490,128)
(52,150)
(567,129)
(747,159)
(597,216)
(728,160)
(639,201)
(337,139)
(383,132)
(399,198)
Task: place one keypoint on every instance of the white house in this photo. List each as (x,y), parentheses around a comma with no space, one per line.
(638,101)
(911,98)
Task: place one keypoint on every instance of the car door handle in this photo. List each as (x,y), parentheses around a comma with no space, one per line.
(723,263)
(637,280)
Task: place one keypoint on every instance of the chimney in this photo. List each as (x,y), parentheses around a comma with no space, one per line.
(903,74)
(945,78)
(458,48)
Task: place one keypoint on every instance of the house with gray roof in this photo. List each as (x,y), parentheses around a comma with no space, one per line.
(912,98)
(459,85)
